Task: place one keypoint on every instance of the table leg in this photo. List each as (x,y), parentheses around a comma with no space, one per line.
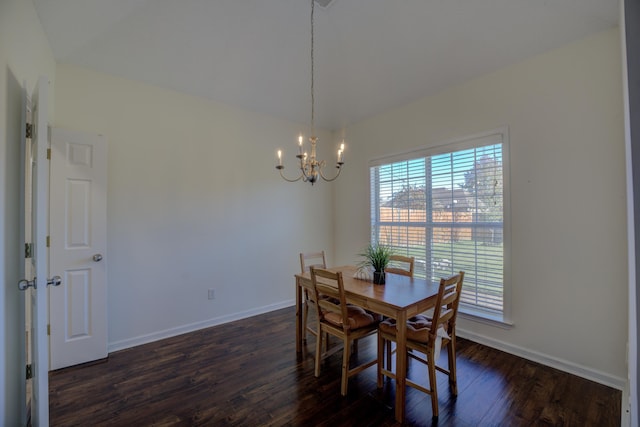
(401,365)
(298,316)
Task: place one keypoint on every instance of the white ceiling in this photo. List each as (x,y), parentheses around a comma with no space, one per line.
(370,55)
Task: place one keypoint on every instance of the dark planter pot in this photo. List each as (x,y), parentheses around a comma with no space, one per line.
(378,277)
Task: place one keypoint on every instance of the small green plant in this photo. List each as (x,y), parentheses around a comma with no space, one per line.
(376,256)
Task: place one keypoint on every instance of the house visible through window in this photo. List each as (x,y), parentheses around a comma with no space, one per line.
(445,206)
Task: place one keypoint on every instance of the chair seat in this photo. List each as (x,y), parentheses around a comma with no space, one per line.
(418,328)
(357,318)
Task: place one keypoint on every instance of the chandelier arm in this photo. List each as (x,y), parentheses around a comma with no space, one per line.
(339,167)
(281,168)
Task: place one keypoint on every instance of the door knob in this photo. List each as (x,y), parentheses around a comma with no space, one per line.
(97,257)
(24,284)
(54,281)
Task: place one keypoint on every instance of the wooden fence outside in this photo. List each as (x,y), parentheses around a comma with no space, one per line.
(404,236)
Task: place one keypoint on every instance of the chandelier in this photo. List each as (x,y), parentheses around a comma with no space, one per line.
(310,167)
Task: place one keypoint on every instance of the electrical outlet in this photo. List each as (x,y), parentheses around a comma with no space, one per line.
(211,294)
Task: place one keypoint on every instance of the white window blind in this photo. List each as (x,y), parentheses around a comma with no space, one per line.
(445,207)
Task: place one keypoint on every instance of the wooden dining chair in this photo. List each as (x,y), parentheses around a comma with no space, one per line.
(400,264)
(308,260)
(403,265)
(344,321)
(422,334)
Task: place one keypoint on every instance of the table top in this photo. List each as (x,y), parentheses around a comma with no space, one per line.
(399,293)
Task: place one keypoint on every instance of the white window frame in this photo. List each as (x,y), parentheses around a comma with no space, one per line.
(454,145)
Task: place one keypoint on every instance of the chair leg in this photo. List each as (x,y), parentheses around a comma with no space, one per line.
(388,355)
(451,352)
(305,316)
(381,347)
(318,351)
(346,353)
(433,384)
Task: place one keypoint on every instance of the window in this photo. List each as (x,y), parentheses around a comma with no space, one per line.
(445,206)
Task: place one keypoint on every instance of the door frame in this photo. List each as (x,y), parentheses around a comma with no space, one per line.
(36,293)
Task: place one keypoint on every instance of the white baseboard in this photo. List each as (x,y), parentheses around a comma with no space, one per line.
(172,332)
(560,364)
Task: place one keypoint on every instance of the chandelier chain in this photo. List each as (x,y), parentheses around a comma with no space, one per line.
(312,74)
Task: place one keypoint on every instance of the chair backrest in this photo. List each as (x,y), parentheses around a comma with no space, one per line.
(329,293)
(446,308)
(401,264)
(312,259)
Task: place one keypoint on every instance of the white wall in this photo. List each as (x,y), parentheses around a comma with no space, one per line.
(194,202)
(569,262)
(24,55)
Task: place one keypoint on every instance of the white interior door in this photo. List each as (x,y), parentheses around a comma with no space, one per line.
(78,210)
(37,267)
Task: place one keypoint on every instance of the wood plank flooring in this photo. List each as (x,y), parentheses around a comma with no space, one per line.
(246,373)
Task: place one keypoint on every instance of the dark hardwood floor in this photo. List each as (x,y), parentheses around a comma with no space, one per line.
(246,373)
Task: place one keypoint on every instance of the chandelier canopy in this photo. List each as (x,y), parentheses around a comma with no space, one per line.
(310,167)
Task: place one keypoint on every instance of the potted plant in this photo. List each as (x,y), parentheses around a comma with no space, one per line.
(377,257)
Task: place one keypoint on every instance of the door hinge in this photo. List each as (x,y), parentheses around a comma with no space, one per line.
(28,250)
(29,130)
(48,241)
(49,329)
(48,153)
(29,372)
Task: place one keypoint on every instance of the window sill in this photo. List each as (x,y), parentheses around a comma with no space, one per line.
(485,318)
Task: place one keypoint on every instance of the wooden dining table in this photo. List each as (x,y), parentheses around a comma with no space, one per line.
(400,298)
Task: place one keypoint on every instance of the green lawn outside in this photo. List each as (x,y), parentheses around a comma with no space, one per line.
(481,262)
